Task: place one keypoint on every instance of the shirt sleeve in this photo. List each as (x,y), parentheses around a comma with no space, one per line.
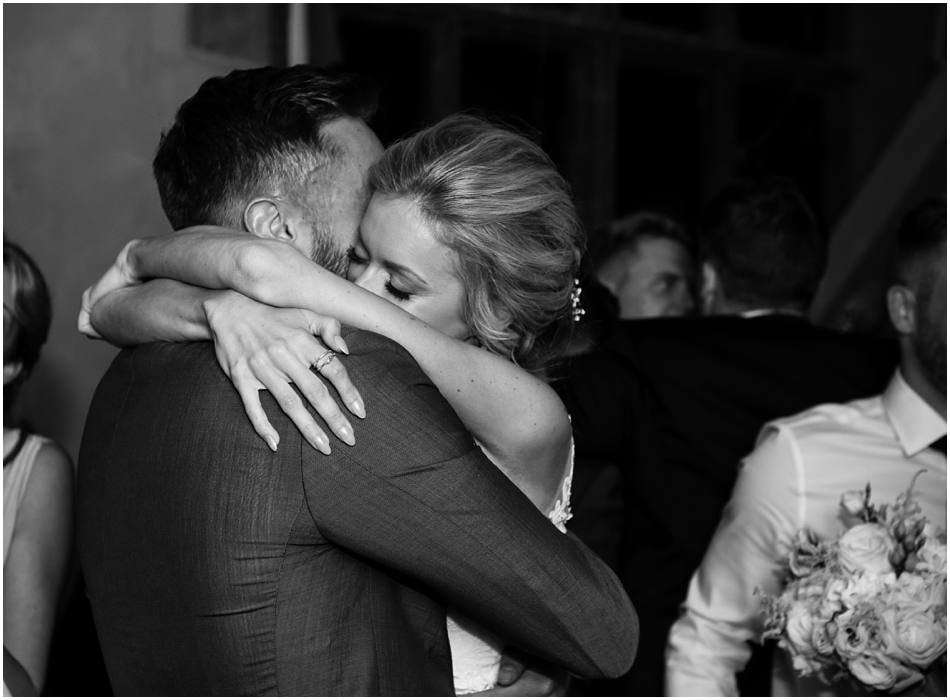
(708,645)
(415,494)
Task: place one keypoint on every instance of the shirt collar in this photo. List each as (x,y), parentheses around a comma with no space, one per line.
(755,313)
(915,422)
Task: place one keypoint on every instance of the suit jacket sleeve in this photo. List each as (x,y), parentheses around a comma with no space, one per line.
(416,494)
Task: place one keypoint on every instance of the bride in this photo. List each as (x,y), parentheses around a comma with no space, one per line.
(467,256)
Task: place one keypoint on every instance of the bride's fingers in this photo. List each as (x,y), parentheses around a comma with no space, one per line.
(328,329)
(290,358)
(332,369)
(306,345)
(290,403)
(317,394)
(248,387)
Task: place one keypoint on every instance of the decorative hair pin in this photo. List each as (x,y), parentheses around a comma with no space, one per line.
(577,310)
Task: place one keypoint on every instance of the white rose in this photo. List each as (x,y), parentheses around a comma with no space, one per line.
(823,638)
(883,673)
(932,556)
(916,632)
(798,626)
(866,548)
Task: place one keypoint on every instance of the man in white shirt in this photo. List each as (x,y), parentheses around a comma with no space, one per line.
(802,465)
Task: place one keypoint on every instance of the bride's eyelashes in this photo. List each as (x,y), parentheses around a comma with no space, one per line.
(396,292)
(357,259)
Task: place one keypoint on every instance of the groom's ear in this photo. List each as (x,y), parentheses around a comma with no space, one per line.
(265,217)
(709,288)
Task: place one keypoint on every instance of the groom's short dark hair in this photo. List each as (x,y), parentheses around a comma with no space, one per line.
(248,133)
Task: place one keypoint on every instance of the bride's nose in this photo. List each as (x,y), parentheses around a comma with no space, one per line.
(372,279)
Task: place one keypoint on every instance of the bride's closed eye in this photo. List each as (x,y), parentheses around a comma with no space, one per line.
(358,261)
(396,292)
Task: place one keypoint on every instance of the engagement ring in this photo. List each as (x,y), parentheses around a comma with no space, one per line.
(325,359)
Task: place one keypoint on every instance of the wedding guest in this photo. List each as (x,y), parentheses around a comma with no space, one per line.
(386,529)
(643,268)
(676,402)
(647,265)
(802,465)
(37,490)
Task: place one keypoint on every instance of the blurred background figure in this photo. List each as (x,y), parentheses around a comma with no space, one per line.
(640,266)
(647,265)
(675,403)
(37,490)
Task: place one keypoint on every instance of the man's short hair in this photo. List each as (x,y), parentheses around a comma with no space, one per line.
(922,232)
(624,235)
(249,133)
(762,238)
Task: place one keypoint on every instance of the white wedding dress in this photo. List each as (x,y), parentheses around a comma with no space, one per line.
(476,653)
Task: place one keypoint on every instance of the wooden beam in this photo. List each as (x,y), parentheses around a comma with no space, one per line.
(871,214)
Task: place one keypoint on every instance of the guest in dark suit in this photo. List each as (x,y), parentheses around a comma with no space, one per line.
(218,566)
(676,403)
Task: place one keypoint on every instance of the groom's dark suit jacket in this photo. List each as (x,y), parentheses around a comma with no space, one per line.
(675,404)
(216,567)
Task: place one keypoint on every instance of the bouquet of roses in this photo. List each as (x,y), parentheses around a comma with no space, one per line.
(870,606)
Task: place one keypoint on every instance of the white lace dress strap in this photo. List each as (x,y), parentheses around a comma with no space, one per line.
(476,652)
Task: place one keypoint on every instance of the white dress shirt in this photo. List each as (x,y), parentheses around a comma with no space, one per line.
(795,478)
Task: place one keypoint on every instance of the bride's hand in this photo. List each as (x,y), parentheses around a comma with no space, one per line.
(519,676)
(118,276)
(262,347)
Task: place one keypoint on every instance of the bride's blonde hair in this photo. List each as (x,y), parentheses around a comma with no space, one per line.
(495,198)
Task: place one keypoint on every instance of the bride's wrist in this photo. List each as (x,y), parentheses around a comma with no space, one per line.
(215,304)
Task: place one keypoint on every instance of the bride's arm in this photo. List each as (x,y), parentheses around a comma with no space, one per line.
(516,417)
(160,309)
(173,311)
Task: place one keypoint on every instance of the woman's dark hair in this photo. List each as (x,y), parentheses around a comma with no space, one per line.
(26,315)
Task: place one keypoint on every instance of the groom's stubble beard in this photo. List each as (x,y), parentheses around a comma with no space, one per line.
(325,251)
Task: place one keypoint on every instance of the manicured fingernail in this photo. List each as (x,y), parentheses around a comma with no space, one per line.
(320,443)
(340,345)
(272,442)
(346,434)
(358,408)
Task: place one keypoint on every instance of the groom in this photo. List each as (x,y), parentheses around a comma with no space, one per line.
(218,567)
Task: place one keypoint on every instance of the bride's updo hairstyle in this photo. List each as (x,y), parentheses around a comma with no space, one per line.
(496,199)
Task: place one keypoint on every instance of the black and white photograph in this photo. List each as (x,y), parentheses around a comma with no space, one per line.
(474,349)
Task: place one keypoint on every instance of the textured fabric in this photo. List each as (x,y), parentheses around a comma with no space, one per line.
(215,566)
(16,475)
(675,404)
(795,479)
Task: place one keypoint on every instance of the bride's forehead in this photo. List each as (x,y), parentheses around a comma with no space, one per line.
(394,228)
